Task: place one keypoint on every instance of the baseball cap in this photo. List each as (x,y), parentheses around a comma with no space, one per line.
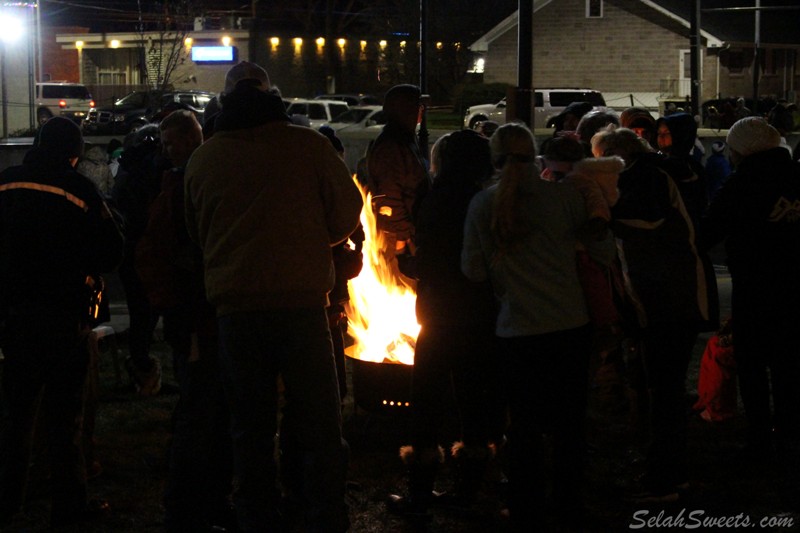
(246,70)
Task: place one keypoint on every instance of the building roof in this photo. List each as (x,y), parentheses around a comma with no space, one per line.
(778,21)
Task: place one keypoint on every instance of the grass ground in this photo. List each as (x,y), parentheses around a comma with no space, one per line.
(133,434)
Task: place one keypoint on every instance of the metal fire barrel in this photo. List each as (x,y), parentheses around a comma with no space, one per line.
(382,387)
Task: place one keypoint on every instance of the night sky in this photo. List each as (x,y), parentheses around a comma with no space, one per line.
(448,19)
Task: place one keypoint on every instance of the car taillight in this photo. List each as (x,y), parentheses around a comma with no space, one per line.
(91,103)
(62,103)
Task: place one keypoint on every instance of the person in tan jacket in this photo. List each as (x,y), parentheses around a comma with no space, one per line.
(266,200)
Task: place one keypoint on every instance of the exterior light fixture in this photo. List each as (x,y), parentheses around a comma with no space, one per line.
(114,43)
(226,40)
(382,44)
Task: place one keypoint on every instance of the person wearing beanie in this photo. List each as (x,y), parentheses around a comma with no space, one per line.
(266,200)
(641,122)
(757,216)
(57,233)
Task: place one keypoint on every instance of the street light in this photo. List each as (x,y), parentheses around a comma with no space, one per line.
(10,32)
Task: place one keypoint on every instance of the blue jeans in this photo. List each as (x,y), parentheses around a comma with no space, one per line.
(255,348)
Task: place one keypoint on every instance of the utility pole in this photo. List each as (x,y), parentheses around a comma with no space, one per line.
(757,57)
(694,56)
(423,76)
(524,92)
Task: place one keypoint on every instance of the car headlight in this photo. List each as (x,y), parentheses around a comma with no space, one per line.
(119,117)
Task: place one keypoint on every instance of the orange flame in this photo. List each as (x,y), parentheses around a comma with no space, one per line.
(381,315)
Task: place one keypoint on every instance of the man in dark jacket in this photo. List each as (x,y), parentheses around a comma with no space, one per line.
(55,232)
(757,213)
(398,175)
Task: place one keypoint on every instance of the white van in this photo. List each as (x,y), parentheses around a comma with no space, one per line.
(548,103)
(58,98)
(318,112)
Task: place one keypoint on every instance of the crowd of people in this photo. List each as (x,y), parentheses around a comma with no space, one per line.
(241,233)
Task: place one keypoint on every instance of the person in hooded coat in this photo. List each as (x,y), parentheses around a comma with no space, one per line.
(756,213)
(55,232)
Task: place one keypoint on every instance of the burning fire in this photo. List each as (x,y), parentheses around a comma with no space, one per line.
(381,315)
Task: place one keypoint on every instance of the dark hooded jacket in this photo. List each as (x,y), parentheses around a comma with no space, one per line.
(55,230)
(757,213)
(689,175)
(656,238)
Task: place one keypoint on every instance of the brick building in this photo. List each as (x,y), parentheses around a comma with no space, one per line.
(637,51)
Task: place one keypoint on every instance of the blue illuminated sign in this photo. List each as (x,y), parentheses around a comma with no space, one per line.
(213,54)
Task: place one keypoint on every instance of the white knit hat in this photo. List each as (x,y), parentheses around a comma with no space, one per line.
(752,134)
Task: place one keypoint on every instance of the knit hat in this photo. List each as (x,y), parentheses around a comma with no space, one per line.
(246,70)
(718,147)
(637,117)
(752,134)
(60,137)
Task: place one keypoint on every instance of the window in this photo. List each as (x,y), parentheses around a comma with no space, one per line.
(317,112)
(111,77)
(594,8)
(338,109)
(187,99)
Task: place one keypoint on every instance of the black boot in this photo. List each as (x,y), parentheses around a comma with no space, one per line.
(422,469)
(471,463)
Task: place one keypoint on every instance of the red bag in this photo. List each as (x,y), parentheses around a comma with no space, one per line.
(716,386)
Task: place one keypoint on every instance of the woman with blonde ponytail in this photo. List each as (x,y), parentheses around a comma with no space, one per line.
(520,234)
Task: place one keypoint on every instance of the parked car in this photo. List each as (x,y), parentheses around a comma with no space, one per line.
(138,108)
(57,98)
(360,117)
(318,112)
(548,103)
(351,99)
